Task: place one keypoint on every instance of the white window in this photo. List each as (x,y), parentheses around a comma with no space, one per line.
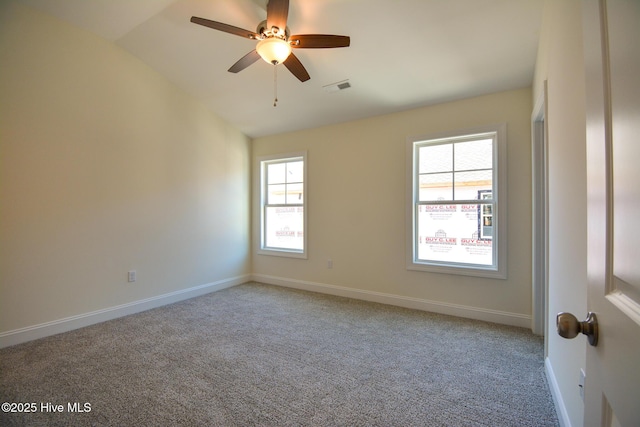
(456,202)
(282,205)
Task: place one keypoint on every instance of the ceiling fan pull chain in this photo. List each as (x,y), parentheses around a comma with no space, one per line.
(275,85)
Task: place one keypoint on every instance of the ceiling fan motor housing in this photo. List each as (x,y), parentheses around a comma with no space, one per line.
(273,31)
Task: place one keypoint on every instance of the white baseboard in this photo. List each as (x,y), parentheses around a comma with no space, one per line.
(561,409)
(42,330)
(495,316)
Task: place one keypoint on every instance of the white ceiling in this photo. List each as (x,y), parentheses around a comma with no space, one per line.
(403,54)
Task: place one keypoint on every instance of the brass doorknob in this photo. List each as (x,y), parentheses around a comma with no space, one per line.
(569,326)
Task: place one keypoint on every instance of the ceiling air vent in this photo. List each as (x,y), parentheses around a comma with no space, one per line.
(335,87)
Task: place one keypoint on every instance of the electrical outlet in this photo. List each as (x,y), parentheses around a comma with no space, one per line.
(329,263)
(131,277)
(581,383)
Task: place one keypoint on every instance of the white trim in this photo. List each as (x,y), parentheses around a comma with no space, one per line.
(487,315)
(540,215)
(561,409)
(54,327)
(460,270)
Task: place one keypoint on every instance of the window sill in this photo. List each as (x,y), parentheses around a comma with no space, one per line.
(457,270)
(282,253)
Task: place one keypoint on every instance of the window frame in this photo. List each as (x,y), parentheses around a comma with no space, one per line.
(499,180)
(261,166)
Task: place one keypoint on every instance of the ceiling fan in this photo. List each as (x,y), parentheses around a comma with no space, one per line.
(275,42)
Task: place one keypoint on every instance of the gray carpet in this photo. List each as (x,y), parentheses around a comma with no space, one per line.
(263,355)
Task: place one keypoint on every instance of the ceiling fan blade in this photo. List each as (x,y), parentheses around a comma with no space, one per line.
(225,27)
(244,62)
(297,69)
(277,13)
(319,41)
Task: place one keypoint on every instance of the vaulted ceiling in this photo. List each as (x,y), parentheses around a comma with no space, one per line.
(404,53)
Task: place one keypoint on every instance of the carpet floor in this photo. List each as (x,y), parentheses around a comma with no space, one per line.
(263,355)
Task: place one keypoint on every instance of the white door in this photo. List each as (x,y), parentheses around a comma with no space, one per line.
(612,60)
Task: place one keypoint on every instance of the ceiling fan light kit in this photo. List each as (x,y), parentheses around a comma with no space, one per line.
(275,44)
(273,50)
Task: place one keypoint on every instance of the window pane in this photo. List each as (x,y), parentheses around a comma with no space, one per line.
(436,186)
(454,187)
(284,228)
(294,193)
(276,173)
(283,191)
(486,222)
(469,183)
(453,234)
(276,194)
(295,171)
(435,158)
(474,155)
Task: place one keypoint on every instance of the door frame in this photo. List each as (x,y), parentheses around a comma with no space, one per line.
(540,215)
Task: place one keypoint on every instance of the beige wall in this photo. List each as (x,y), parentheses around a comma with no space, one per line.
(560,62)
(107,167)
(356,209)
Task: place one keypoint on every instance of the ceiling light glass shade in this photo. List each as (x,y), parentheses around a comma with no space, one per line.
(274,50)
